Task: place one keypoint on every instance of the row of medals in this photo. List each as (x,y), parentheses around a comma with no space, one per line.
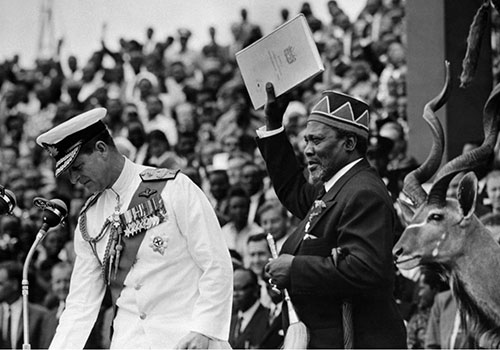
(142,217)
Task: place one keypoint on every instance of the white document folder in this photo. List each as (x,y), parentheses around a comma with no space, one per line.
(285,57)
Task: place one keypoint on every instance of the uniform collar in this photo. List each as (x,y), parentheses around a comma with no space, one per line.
(122,184)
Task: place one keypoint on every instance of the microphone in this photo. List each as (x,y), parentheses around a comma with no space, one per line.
(7,201)
(54,212)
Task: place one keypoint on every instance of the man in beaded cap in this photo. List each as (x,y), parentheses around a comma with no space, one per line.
(151,236)
(338,262)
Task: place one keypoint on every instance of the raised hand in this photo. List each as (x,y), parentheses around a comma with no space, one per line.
(275,108)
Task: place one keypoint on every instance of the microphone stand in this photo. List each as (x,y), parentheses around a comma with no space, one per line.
(53,216)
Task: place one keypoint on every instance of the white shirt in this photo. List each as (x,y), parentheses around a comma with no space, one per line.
(188,288)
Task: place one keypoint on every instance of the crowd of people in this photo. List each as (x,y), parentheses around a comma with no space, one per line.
(172,106)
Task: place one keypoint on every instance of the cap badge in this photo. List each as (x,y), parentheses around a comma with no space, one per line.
(53,151)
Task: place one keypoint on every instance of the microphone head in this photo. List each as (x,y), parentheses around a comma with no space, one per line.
(59,205)
(54,213)
(7,201)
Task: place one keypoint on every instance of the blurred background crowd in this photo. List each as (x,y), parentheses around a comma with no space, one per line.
(173,106)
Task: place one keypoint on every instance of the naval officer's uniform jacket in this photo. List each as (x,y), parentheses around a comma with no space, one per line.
(180,281)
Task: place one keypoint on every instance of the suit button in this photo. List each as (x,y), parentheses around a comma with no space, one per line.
(142,316)
(138,286)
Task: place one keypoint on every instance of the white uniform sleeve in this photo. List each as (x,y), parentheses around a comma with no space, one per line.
(84,299)
(198,223)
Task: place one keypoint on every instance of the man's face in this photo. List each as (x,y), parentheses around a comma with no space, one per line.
(493,190)
(245,293)
(238,209)
(54,242)
(8,288)
(153,105)
(251,179)
(90,170)
(273,222)
(60,279)
(136,134)
(324,151)
(425,294)
(258,256)
(219,185)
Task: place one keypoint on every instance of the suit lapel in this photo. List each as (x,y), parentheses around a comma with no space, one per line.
(292,244)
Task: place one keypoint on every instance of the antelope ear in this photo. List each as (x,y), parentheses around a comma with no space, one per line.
(467,194)
(407,212)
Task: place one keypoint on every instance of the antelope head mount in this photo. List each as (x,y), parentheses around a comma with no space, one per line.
(445,233)
(438,226)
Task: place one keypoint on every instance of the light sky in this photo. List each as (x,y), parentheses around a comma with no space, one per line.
(80,22)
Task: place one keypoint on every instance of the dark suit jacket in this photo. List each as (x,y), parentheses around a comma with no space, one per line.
(254,331)
(273,338)
(36,314)
(359,217)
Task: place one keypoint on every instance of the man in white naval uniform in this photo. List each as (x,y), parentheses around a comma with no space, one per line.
(176,290)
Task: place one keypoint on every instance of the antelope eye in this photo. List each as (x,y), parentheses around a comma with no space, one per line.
(435,217)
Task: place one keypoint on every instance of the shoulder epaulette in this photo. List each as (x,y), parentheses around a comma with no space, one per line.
(158,174)
(92,199)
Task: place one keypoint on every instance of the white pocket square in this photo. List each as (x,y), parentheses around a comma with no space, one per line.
(308,236)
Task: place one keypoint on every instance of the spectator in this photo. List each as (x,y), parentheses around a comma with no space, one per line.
(181,51)
(252,182)
(238,229)
(240,118)
(249,321)
(337,65)
(392,81)
(11,275)
(159,152)
(492,220)
(445,330)
(219,188)
(273,338)
(137,136)
(50,248)
(213,49)
(10,231)
(157,120)
(400,162)
(258,255)
(56,300)
(273,218)
(429,284)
